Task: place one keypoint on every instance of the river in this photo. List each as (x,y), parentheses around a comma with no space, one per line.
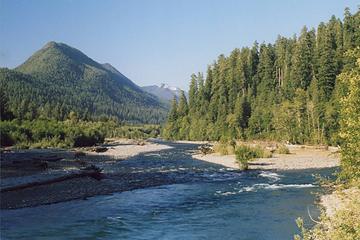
(201,201)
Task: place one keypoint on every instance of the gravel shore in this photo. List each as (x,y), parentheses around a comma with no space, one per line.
(33,166)
(299,158)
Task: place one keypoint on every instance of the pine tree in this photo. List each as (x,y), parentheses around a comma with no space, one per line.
(5,113)
(242,114)
(327,66)
(171,129)
(302,63)
(182,109)
(193,90)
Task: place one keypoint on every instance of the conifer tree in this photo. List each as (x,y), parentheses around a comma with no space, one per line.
(193,90)
(326,66)
(302,65)
(285,91)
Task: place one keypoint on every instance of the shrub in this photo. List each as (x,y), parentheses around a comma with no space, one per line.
(43,133)
(22,145)
(282,149)
(243,155)
(84,140)
(259,152)
(343,224)
(6,139)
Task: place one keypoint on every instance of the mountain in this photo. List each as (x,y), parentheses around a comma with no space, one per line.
(164,92)
(59,79)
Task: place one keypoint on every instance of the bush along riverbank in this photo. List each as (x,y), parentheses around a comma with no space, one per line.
(43,133)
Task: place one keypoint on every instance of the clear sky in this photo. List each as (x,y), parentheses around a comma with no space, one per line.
(154,41)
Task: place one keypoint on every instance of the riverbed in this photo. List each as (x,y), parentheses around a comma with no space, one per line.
(192,200)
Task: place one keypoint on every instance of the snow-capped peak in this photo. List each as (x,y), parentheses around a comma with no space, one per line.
(164,85)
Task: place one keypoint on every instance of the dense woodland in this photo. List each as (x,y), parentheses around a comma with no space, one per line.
(61,98)
(288,90)
(345,223)
(59,79)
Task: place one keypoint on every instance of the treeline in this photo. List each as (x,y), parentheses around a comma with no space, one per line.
(70,133)
(285,91)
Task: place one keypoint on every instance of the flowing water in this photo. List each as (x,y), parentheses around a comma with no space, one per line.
(200,201)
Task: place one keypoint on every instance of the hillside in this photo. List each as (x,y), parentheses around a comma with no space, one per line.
(59,79)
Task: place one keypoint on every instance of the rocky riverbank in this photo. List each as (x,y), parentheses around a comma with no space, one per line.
(34,177)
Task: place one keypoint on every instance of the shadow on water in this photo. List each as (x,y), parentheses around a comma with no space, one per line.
(169,166)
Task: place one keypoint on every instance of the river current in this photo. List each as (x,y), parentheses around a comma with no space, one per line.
(200,201)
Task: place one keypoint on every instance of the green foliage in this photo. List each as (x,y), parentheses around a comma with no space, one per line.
(286,91)
(243,155)
(59,79)
(51,133)
(259,152)
(350,120)
(5,113)
(344,224)
(246,153)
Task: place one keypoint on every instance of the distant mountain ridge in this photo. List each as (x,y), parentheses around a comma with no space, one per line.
(58,79)
(164,91)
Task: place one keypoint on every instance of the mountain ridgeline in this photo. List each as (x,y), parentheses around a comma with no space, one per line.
(59,79)
(164,92)
(285,91)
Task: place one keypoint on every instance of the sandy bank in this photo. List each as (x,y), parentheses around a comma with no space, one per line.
(299,158)
(338,200)
(125,148)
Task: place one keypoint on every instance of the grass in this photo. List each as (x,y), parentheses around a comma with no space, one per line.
(224,148)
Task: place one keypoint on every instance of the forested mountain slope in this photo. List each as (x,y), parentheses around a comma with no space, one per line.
(59,79)
(287,90)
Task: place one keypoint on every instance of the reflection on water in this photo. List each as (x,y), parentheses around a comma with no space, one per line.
(205,201)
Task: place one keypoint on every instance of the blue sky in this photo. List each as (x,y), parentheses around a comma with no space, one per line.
(154,41)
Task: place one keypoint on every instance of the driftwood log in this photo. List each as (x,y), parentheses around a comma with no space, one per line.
(206,149)
(99,149)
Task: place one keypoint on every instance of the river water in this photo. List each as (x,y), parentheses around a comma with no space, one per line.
(201,201)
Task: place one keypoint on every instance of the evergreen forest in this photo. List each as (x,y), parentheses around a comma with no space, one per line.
(287,91)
